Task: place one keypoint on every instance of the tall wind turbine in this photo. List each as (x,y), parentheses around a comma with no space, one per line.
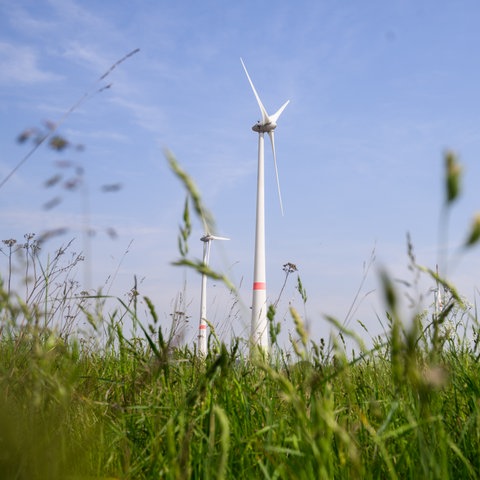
(268,123)
(202,328)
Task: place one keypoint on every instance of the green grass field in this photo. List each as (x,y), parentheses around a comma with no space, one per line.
(137,408)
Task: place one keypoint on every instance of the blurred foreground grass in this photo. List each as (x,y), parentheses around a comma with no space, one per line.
(138,408)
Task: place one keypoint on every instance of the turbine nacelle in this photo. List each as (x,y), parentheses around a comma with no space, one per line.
(260,127)
(269,122)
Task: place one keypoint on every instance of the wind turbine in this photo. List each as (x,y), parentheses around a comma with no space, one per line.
(202,328)
(268,123)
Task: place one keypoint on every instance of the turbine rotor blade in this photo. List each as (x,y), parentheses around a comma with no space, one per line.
(272,141)
(209,244)
(205,226)
(215,237)
(206,252)
(265,117)
(277,114)
(209,237)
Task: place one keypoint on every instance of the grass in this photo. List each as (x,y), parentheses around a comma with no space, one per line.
(80,400)
(140,408)
(136,408)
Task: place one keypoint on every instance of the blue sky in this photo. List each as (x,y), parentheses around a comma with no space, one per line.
(378,91)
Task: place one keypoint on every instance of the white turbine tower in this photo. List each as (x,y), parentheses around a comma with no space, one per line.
(202,328)
(268,123)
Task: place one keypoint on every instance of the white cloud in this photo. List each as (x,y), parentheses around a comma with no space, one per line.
(88,55)
(98,134)
(150,117)
(20,64)
(72,19)
(22,20)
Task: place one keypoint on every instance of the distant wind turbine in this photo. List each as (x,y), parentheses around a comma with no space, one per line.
(268,123)
(202,329)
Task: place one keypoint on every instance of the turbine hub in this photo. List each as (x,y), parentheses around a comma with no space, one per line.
(264,127)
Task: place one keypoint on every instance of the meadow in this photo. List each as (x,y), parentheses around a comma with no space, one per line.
(79,399)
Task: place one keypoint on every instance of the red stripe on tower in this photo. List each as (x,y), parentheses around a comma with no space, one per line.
(259,286)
